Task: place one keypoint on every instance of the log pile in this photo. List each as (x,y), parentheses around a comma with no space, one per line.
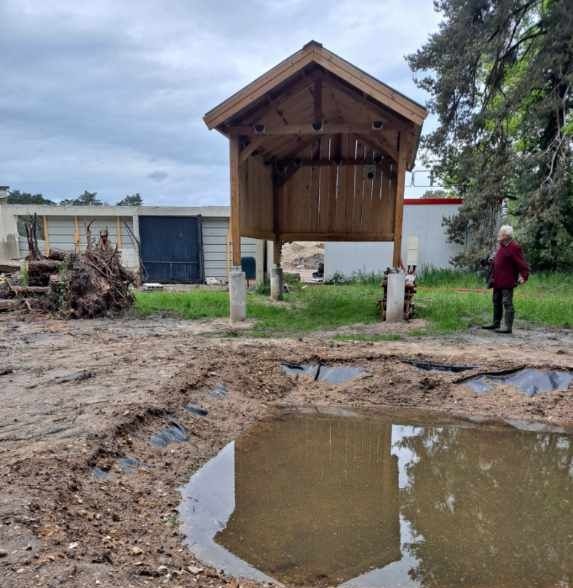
(409,291)
(87,285)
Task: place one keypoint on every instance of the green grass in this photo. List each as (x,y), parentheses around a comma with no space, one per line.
(450,301)
(453,301)
(305,309)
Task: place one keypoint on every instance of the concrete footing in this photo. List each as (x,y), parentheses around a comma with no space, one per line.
(395,297)
(238,294)
(276,283)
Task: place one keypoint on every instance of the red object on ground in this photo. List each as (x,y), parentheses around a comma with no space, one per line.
(508,265)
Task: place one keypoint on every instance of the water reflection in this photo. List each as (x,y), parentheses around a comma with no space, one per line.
(369,502)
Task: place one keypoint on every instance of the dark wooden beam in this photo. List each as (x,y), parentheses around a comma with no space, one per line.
(380,143)
(317,99)
(256,143)
(235,205)
(327,162)
(325,128)
(399,202)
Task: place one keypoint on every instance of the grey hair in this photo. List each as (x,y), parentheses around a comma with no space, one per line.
(506,230)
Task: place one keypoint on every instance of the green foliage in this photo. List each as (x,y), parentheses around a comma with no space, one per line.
(85,199)
(500,77)
(17,197)
(131,200)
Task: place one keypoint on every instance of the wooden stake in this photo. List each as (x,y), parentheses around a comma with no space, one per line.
(234,151)
(46,237)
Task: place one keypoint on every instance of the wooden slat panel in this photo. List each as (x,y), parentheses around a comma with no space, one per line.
(256,199)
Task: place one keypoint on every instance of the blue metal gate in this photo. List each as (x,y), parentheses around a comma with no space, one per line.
(171,248)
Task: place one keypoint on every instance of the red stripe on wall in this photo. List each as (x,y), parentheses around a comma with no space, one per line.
(424,201)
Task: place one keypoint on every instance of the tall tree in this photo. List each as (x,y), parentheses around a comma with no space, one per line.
(500,77)
(85,199)
(17,197)
(131,200)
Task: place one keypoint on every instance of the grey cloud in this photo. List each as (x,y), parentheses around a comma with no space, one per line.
(158,176)
(97,94)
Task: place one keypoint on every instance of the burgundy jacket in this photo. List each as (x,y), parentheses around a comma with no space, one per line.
(508,265)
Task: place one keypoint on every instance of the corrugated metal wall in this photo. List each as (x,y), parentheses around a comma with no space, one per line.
(62,235)
(215,247)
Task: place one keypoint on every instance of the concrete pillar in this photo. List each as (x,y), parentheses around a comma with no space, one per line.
(260,261)
(237,294)
(395,297)
(276,283)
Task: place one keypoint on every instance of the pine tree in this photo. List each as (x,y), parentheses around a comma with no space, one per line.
(500,77)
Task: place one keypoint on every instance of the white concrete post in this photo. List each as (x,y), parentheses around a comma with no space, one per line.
(260,261)
(395,297)
(276,283)
(237,294)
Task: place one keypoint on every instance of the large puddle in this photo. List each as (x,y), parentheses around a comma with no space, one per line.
(386,502)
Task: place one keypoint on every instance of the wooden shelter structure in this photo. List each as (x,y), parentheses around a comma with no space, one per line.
(318,152)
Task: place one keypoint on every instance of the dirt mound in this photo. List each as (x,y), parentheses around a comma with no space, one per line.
(307,254)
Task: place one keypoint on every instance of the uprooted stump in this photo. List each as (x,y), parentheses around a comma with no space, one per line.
(71,285)
(92,284)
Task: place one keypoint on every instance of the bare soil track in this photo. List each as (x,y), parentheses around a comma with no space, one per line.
(75,396)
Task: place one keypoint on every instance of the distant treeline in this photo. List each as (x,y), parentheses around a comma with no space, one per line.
(85,199)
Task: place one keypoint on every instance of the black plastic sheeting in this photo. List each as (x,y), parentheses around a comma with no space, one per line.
(173,433)
(323,373)
(128,465)
(441,367)
(196,410)
(219,391)
(529,381)
(100,474)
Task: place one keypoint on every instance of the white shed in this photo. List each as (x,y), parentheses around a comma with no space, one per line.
(422,219)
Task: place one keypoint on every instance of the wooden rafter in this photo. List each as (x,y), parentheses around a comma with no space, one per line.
(307,129)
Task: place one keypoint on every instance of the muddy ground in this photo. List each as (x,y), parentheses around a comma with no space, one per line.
(75,396)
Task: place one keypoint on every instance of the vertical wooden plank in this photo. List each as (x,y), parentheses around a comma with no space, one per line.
(399,206)
(118,238)
(235,200)
(77,235)
(46,236)
(277,245)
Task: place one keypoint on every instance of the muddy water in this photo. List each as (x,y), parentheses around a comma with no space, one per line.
(386,502)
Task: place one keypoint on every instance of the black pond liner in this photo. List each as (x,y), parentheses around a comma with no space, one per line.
(128,465)
(173,433)
(529,381)
(219,391)
(196,410)
(323,373)
(441,367)
(100,474)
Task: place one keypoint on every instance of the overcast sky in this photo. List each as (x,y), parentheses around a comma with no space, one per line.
(109,95)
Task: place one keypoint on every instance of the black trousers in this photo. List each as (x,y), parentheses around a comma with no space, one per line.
(503,304)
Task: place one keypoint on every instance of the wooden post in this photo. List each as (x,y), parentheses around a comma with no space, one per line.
(277,249)
(118,239)
(77,234)
(235,220)
(276,222)
(399,202)
(46,237)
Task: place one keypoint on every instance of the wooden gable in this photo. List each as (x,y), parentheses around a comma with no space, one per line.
(319,150)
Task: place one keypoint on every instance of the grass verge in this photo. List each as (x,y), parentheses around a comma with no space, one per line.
(450,301)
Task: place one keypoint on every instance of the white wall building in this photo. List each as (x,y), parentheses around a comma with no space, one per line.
(422,219)
(163,237)
(64,227)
